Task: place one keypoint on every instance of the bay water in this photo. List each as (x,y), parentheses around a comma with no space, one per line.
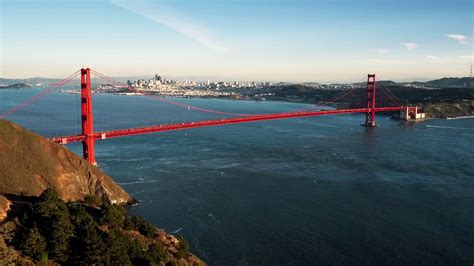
(304,191)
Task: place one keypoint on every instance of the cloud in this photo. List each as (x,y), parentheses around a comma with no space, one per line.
(170,18)
(459,60)
(452,60)
(458,37)
(383,51)
(389,62)
(409,45)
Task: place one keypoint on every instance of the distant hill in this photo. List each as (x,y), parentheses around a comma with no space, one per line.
(15,86)
(29,81)
(443,83)
(465,82)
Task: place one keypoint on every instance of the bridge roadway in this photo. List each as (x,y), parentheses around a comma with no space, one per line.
(215,122)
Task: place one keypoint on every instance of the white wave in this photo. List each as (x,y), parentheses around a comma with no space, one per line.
(177,230)
(129,160)
(460,117)
(162,171)
(445,127)
(138,182)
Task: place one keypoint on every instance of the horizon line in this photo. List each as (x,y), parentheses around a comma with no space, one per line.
(197,78)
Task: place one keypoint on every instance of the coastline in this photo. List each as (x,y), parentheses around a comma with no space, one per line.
(443,113)
(440,115)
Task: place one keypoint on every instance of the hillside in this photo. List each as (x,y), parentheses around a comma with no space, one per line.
(465,82)
(35,80)
(29,164)
(446,110)
(15,86)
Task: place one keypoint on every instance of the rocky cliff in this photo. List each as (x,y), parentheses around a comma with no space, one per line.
(4,207)
(29,164)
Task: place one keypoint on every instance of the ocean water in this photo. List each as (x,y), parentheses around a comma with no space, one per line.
(305,191)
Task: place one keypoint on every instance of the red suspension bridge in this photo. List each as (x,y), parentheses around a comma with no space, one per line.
(366,104)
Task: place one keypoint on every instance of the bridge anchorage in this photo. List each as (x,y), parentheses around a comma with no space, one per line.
(88,136)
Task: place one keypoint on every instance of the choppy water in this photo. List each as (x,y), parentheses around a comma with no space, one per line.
(305,191)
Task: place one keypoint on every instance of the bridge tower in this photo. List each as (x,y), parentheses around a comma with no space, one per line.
(371,89)
(87,117)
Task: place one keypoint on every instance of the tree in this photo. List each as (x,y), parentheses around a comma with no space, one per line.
(136,252)
(92,200)
(145,228)
(112,215)
(33,244)
(49,202)
(128,224)
(60,233)
(52,216)
(79,214)
(117,248)
(88,244)
(70,233)
(156,253)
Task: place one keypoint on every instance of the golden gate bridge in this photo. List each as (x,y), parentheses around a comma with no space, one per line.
(365,103)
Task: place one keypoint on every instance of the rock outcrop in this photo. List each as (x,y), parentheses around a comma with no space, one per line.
(29,164)
(4,207)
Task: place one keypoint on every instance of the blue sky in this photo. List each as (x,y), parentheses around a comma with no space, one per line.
(278,40)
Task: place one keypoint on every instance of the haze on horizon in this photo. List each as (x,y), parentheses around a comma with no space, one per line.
(274,40)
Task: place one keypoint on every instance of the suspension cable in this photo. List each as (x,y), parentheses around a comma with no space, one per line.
(39,95)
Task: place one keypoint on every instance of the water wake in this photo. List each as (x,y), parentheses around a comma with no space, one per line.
(445,127)
(137,182)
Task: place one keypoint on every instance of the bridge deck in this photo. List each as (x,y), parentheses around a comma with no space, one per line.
(215,122)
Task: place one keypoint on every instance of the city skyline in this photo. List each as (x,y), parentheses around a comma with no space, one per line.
(295,41)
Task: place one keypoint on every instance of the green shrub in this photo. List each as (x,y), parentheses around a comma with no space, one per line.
(53,220)
(112,215)
(43,258)
(156,253)
(128,224)
(117,248)
(33,244)
(87,244)
(145,228)
(93,200)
